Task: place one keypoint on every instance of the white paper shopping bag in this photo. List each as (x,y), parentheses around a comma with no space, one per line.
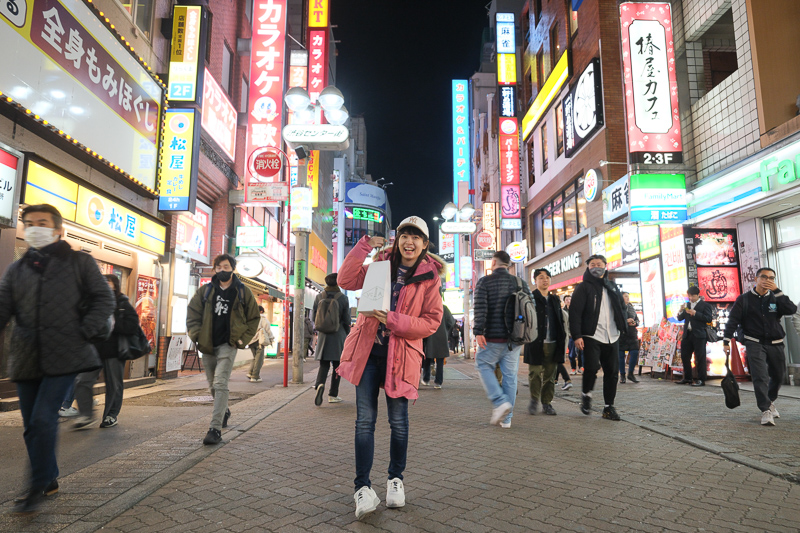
(376,293)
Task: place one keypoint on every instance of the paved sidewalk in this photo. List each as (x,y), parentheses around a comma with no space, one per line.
(290,468)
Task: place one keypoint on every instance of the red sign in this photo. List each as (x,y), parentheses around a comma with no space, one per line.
(317,62)
(718,284)
(266,80)
(484,239)
(219,116)
(509,168)
(192,233)
(146,306)
(266,164)
(298,76)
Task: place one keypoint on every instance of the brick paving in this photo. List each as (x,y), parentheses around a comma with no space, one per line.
(288,466)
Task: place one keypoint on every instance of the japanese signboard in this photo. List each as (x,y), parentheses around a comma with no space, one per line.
(362,213)
(489,215)
(509,169)
(10,179)
(193,233)
(583,108)
(251,236)
(673,259)
(301,198)
(177,182)
(613,249)
(265,102)
(312,176)
(318,13)
(317,259)
(61,62)
(446,246)
(461,148)
(713,263)
(317,63)
(508,101)
(506,37)
(219,116)
(184,64)
(652,291)
(616,199)
(507,69)
(658,198)
(648,242)
(651,87)
(719,284)
(629,240)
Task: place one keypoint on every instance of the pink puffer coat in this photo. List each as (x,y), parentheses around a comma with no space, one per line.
(418,313)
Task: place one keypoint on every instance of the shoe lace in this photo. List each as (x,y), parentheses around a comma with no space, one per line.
(395,485)
(362,494)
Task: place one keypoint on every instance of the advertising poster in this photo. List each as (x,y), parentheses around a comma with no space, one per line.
(673,258)
(629,239)
(613,249)
(652,294)
(146,306)
(715,248)
(718,284)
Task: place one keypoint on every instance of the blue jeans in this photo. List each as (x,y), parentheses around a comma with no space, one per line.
(486,359)
(367,408)
(575,355)
(633,361)
(39,401)
(69,397)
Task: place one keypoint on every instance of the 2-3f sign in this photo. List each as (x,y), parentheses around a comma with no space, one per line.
(657,158)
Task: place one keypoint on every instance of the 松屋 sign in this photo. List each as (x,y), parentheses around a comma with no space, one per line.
(651,87)
(583,109)
(658,198)
(616,199)
(177,184)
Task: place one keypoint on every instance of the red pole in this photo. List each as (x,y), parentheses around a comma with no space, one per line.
(286,300)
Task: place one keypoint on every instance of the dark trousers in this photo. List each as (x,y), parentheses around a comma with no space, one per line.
(767,363)
(561,370)
(598,355)
(39,401)
(691,344)
(633,361)
(113,370)
(426,370)
(322,376)
(367,392)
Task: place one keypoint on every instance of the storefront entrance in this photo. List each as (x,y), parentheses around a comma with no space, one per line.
(787,240)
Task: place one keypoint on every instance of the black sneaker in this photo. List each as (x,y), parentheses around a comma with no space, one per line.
(108,422)
(632,378)
(609,413)
(31,503)
(318,397)
(214,436)
(533,407)
(548,409)
(226,417)
(699,383)
(622,378)
(586,404)
(49,490)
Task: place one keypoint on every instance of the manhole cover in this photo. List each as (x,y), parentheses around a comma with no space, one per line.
(207,398)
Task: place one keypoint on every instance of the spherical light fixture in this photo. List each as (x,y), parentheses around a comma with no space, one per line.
(297,99)
(331,98)
(337,117)
(466,211)
(449,210)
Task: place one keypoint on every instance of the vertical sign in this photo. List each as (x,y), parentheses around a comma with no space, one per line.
(265,103)
(446,246)
(506,39)
(312,177)
(461,152)
(509,174)
(180,154)
(317,62)
(10,179)
(651,87)
(673,258)
(183,65)
(490,222)
(219,116)
(318,14)
(508,101)
(146,306)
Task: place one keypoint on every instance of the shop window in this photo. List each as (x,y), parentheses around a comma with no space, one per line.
(539,71)
(573,20)
(244,96)
(537,10)
(788,229)
(547,232)
(555,46)
(558,225)
(531,164)
(537,234)
(227,68)
(582,219)
(141,11)
(570,218)
(719,51)
(718,66)
(559,130)
(545,159)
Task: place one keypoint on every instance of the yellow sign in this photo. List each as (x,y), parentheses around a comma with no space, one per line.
(318,14)
(317,259)
(549,91)
(183,65)
(312,177)
(454,300)
(47,187)
(613,248)
(506,69)
(175,185)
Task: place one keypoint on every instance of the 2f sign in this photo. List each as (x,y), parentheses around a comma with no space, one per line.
(656,158)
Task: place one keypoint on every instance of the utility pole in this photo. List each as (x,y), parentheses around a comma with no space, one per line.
(300,269)
(466,283)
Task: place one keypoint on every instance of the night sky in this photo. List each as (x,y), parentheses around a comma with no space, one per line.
(395,65)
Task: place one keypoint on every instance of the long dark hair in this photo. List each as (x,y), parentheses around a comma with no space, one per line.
(396,258)
(115,282)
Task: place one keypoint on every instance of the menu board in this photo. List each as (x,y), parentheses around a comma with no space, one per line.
(673,259)
(713,263)
(660,344)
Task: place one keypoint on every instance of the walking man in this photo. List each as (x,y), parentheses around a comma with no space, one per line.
(60,302)
(491,334)
(596,319)
(759,312)
(629,341)
(264,337)
(696,315)
(332,320)
(545,353)
(308,337)
(222,318)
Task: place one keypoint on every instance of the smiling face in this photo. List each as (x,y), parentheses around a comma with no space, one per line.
(542,282)
(410,247)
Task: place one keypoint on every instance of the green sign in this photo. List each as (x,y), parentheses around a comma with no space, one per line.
(648,242)
(299,274)
(360,213)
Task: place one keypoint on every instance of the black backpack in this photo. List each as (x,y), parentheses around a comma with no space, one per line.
(327,318)
(210,287)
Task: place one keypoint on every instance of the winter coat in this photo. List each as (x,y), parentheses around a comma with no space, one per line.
(630,340)
(126,322)
(264,335)
(308,329)
(704,314)
(42,291)
(533,353)
(330,345)
(584,310)
(491,296)
(418,314)
(436,346)
(763,320)
(244,316)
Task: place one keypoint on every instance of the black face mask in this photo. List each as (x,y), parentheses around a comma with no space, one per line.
(224,275)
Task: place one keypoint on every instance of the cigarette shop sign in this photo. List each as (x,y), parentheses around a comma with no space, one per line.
(565,264)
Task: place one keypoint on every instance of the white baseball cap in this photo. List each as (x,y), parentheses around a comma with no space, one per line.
(417,222)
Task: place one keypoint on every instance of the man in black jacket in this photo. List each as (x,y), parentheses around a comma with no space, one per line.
(759,312)
(596,319)
(696,316)
(491,334)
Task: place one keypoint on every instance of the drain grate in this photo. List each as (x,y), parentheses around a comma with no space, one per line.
(207,398)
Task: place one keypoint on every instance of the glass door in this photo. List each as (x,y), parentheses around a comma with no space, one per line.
(787,237)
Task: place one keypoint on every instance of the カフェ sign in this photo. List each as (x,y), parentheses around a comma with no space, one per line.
(565,264)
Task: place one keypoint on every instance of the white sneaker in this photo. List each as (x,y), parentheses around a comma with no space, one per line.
(775,413)
(499,413)
(366,501)
(437,386)
(255,380)
(395,493)
(766,419)
(334,399)
(426,383)
(505,425)
(69,412)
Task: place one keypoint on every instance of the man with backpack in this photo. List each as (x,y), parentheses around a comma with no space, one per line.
(331,314)
(759,312)
(221,318)
(504,321)
(596,319)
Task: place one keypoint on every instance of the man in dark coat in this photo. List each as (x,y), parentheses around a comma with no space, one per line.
(436,349)
(60,300)
(696,316)
(545,353)
(629,342)
(330,345)
(596,319)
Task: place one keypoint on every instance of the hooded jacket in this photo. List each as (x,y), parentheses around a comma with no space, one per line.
(42,291)
(418,314)
(244,316)
(533,353)
(584,310)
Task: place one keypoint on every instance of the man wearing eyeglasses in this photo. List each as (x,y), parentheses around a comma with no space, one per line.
(759,312)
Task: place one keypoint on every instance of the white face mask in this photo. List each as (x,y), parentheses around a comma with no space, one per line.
(39,237)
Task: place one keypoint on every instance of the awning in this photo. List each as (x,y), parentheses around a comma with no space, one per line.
(257,288)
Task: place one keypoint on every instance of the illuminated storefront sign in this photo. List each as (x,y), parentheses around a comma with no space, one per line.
(658,198)
(550,89)
(506,36)
(509,171)
(461,148)
(301,209)
(186,53)
(360,213)
(629,240)
(192,235)
(648,242)
(177,183)
(10,180)
(616,199)
(318,13)
(251,237)
(518,251)
(560,266)
(265,102)
(508,101)
(613,249)
(591,185)
(673,260)
(365,194)
(507,69)
(318,259)
(312,176)
(219,116)
(652,291)
(317,63)
(446,246)
(489,215)
(651,87)
(583,109)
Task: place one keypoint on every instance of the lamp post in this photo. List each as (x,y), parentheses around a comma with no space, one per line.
(298,101)
(466,228)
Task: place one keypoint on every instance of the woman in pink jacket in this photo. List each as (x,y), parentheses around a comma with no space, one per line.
(384,349)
